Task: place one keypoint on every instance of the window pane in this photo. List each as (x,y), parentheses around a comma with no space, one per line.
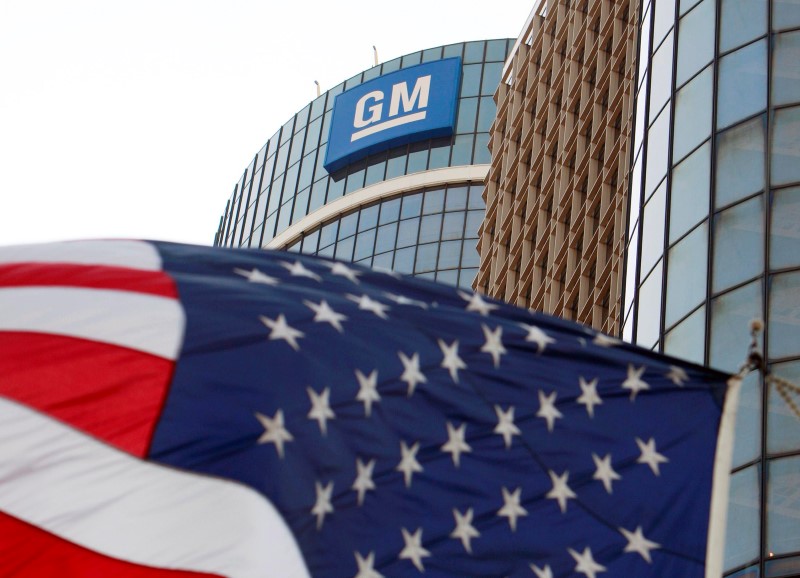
(456,199)
(440,153)
(375,170)
(687,339)
(447,277)
(347,225)
(738,244)
(434,202)
(695,44)
(417,157)
(476,197)
(469,255)
(396,165)
(742,84)
(783,531)
(473,51)
(664,19)
(365,243)
(692,114)
(687,264)
(426,258)
(785,229)
(785,14)
(470,80)
(740,162)
(344,249)
(466,277)
(486,113)
(430,229)
(453,225)
(310,242)
(657,149)
(740,22)
(785,155)
(449,254)
(327,234)
(661,84)
(747,437)
(383,261)
(412,206)
(462,150)
(467,113)
(474,220)
(390,211)
(783,427)
(648,324)
(404,260)
(784,304)
(386,237)
(407,232)
(491,77)
(731,314)
(653,228)
(689,198)
(741,536)
(368,218)
(786,68)
(482,156)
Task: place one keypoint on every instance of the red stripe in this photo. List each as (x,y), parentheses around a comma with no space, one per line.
(89,276)
(29,552)
(110,392)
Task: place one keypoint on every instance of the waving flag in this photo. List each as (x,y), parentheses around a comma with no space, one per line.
(169,410)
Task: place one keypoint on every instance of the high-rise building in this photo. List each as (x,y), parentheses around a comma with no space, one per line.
(411,203)
(557,189)
(713,234)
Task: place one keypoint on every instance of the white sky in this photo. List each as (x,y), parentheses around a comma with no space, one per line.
(123,118)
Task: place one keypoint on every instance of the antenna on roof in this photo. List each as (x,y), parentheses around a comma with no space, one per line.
(375,53)
(317,83)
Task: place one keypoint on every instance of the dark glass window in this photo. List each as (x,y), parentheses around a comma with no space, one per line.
(462,150)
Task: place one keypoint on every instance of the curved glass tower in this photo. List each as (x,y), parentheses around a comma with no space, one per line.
(713,235)
(414,208)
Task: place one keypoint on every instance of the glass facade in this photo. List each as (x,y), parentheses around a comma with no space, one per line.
(286,181)
(713,235)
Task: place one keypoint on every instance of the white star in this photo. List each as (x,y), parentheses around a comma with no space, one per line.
(677,375)
(452,362)
(413,549)
(323,504)
(589,397)
(320,408)
(605,472)
(638,543)
(408,462)
(365,303)
(256,276)
(505,424)
(343,270)
(537,336)
(368,390)
(455,442)
(511,508)
(634,381)
(279,329)
(585,563)
(274,431)
(363,482)
(476,303)
(561,492)
(464,529)
(411,373)
(603,340)
(297,269)
(650,456)
(548,410)
(494,343)
(366,567)
(324,314)
(403,300)
(545,572)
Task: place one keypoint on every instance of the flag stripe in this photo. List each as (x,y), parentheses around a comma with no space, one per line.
(113,393)
(147,323)
(130,254)
(26,551)
(136,511)
(87,276)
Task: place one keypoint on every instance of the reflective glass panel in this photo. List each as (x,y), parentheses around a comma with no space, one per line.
(456,198)
(731,314)
(347,225)
(447,277)
(469,255)
(404,260)
(390,211)
(426,258)
(453,225)
(449,254)
(783,505)
(648,317)
(396,165)
(476,197)
(344,249)
(407,232)
(417,157)
(689,198)
(687,339)
(430,228)
(496,50)
(440,153)
(474,220)
(412,205)
(470,80)
(486,114)
(740,162)
(783,426)
(686,5)
(742,89)
(785,14)
(687,264)
(741,21)
(695,43)
(653,228)
(741,536)
(692,114)
(467,113)
(481,155)
(491,77)
(368,218)
(738,244)
(785,229)
(747,436)
(386,236)
(784,315)
(365,245)
(786,68)
(657,149)
(664,19)
(661,84)
(785,155)
(462,150)
(434,202)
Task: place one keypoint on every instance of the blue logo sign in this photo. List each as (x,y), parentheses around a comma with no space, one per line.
(412,104)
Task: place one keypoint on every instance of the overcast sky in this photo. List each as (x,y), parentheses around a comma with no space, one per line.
(134,119)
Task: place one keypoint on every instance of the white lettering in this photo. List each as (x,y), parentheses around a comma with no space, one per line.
(360,121)
(400,94)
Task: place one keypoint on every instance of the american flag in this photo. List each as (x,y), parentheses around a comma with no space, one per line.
(172,410)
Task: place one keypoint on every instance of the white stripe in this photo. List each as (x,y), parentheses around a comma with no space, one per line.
(130,254)
(86,492)
(720,485)
(148,323)
(400,120)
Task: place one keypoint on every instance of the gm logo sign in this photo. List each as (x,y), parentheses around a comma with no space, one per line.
(412,104)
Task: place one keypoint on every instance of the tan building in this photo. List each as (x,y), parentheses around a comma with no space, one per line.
(556,193)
